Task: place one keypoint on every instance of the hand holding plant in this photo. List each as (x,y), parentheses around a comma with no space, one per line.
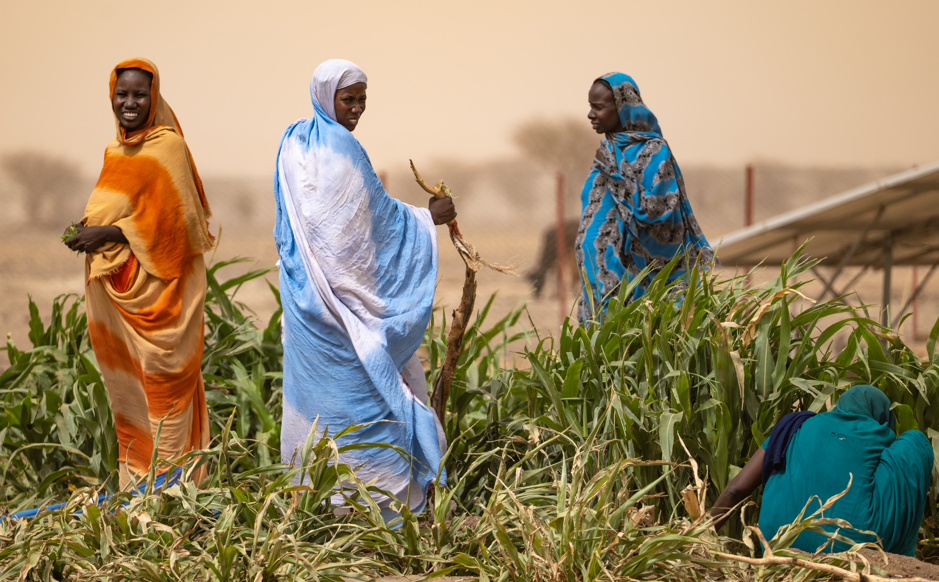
(88,238)
(72,231)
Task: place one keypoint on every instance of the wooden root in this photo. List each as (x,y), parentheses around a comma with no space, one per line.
(473,259)
(461,317)
(463,313)
(438,191)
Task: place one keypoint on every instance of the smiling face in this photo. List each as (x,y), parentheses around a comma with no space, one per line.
(603,115)
(350,105)
(131,99)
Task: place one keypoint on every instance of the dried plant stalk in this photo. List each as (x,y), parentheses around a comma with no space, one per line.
(461,314)
(469,253)
(769,558)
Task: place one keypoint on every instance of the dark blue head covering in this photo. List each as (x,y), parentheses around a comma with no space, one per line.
(774,457)
(633,114)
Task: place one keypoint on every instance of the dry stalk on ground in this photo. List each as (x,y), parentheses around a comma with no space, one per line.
(461,314)
(771,559)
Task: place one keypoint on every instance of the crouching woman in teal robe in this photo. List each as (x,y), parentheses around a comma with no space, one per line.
(813,457)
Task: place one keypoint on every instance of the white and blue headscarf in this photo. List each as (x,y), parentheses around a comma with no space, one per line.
(635,210)
(357,276)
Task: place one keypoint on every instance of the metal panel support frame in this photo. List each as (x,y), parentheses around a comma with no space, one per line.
(887,254)
(830,282)
(888,275)
(918,286)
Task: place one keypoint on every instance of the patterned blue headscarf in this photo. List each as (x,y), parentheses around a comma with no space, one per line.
(635,210)
(633,113)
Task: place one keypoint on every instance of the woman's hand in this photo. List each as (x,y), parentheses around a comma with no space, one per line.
(90,238)
(442,210)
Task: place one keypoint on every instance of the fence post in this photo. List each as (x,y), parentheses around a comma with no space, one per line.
(561,261)
(914,310)
(748,207)
(888,272)
(748,200)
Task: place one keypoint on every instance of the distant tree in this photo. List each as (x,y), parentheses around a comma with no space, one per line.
(48,184)
(565,145)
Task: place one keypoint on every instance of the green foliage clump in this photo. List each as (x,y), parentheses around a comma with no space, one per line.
(714,371)
(594,459)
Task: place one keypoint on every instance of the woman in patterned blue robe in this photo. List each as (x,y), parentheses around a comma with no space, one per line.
(635,210)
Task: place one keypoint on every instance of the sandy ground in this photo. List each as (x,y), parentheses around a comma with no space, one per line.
(33,264)
(902,566)
(895,567)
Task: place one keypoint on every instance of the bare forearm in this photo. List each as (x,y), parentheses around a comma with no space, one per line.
(90,238)
(739,488)
(729,498)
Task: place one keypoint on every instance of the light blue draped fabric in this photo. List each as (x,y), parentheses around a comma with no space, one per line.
(358,271)
(635,210)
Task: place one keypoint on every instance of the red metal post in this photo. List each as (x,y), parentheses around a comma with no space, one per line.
(748,206)
(748,201)
(913,310)
(561,248)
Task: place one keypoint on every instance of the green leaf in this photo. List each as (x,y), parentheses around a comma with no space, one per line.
(572,381)
(667,423)
(906,420)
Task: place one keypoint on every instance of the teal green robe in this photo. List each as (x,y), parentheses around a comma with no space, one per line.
(891,476)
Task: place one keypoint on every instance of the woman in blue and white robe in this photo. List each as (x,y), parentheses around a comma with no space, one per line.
(635,210)
(358,271)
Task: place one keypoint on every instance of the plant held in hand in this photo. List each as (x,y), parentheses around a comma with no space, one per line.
(72,230)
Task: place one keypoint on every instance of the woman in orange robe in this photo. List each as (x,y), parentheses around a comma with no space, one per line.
(144,232)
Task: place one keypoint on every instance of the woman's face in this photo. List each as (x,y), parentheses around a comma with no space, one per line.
(350,105)
(603,115)
(131,101)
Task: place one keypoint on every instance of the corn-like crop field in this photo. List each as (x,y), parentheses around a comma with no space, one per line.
(594,460)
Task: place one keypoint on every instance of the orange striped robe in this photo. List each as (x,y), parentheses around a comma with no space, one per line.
(145,299)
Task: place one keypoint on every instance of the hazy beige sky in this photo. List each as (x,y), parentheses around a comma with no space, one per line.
(807,82)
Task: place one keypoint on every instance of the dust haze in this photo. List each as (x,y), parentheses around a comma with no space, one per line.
(490,97)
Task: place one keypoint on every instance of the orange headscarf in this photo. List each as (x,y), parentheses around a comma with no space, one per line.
(161,114)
